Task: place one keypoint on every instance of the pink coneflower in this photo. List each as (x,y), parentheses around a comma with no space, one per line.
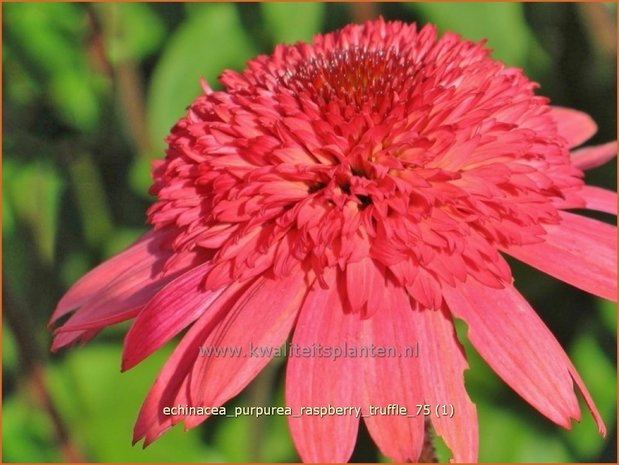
(359,190)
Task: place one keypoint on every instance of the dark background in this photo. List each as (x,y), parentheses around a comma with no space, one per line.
(90,91)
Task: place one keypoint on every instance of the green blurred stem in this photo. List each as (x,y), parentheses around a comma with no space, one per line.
(127,80)
(90,198)
(32,361)
(428,452)
(362,12)
(601,27)
(260,394)
(131,100)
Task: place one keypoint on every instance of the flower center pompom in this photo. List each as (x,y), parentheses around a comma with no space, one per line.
(377,143)
(354,76)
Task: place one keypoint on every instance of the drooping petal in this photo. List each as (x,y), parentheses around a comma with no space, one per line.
(587,397)
(173,308)
(599,199)
(592,157)
(518,346)
(121,299)
(443,362)
(317,381)
(257,325)
(99,278)
(64,339)
(579,251)
(174,383)
(151,422)
(394,379)
(574,126)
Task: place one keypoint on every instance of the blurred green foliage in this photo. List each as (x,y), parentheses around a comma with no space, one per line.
(506,30)
(135,31)
(292,22)
(45,38)
(90,92)
(173,84)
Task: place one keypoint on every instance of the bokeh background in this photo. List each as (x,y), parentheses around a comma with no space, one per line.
(89,93)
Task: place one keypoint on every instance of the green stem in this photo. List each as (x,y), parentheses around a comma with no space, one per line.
(32,362)
(428,452)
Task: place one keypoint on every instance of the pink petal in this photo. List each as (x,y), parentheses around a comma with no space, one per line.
(174,307)
(592,157)
(394,379)
(579,251)
(599,199)
(151,422)
(588,399)
(100,277)
(517,345)
(574,126)
(322,381)
(359,279)
(443,362)
(122,299)
(260,320)
(426,290)
(67,338)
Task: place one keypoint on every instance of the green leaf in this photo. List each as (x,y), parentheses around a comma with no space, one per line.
(505,437)
(133,30)
(49,39)
(8,218)
(208,42)
(600,376)
(74,98)
(74,266)
(140,178)
(121,239)
(101,405)
(292,22)
(226,439)
(45,33)
(26,432)
(9,351)
(502,23)
(21,87)
(608,313)
(91,199)
(278,441)
(17,253)
(443,453)
(479,378)
(269,438)
(34,193)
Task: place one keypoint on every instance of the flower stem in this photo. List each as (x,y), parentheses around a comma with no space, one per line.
(428,452)
(260,394)
(364,11)
(32,362)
